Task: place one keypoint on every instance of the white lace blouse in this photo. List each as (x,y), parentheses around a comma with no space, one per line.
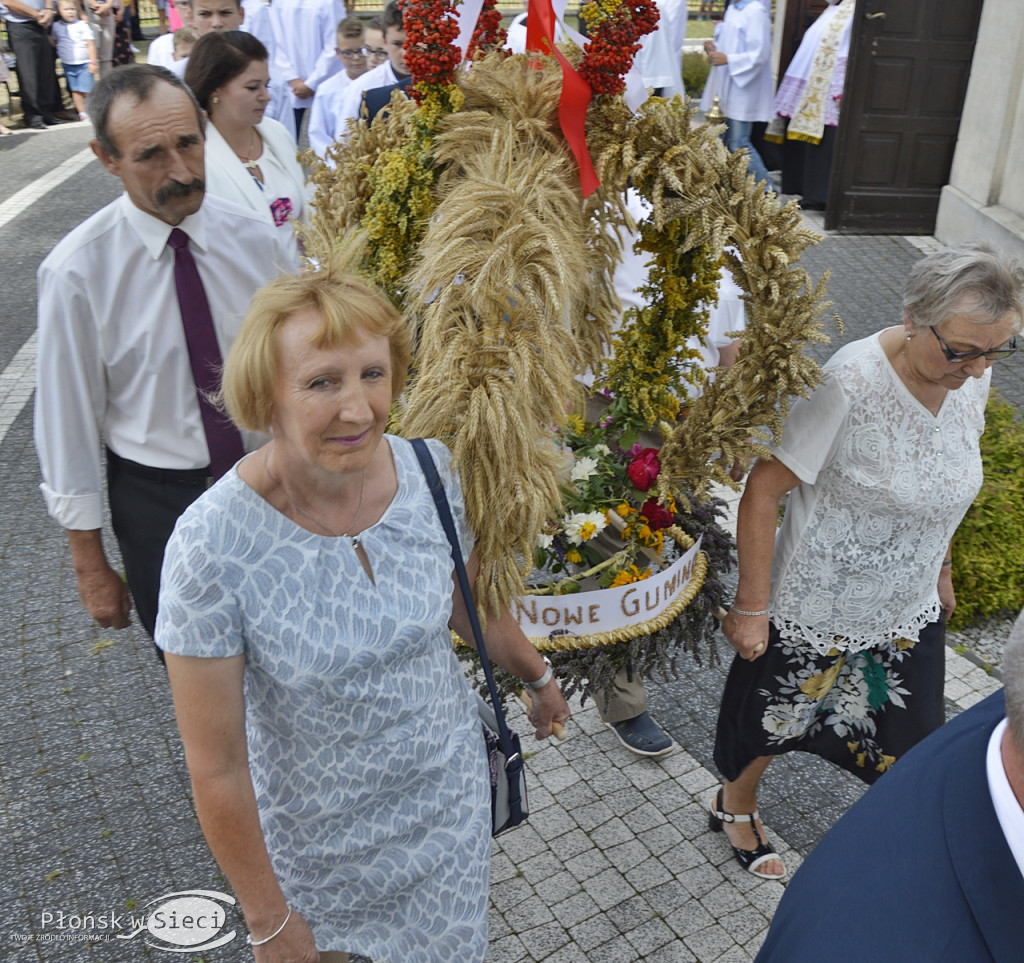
(884,485)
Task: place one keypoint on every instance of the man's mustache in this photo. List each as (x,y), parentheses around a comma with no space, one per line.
(174,189)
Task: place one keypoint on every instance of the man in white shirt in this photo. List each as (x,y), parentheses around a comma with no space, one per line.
(114,366)
(929,863)
(386,75)
(304,32)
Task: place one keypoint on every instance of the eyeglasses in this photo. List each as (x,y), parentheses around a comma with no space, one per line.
(954,357)
(371,52)
(349,54)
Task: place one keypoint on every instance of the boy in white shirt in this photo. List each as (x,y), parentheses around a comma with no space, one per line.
(73,38)
(373,45)
(327,100)
(388,73)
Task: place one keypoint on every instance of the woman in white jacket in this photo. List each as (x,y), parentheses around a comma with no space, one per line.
(250,159)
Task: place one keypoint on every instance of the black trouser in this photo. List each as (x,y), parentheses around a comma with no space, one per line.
(145,503)
(36,69)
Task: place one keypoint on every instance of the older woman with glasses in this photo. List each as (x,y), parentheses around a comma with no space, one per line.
(839,619)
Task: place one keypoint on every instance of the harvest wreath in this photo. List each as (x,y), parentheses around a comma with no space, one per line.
(480,214)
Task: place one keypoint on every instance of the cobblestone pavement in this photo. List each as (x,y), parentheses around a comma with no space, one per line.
(616,864)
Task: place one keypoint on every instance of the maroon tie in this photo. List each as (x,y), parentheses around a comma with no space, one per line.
(222,437)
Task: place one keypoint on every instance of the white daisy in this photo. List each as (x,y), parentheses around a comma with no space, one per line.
(583,468)
(583,526)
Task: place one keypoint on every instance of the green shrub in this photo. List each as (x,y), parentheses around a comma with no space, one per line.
(695,72)
(988,548)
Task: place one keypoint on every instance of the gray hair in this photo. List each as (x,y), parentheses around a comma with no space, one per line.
(138,80)
(1013,677)
(967,279)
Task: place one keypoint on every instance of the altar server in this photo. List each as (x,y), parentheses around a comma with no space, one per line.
(741,77)
(304,47)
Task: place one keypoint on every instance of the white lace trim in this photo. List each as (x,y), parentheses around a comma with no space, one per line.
(823,643)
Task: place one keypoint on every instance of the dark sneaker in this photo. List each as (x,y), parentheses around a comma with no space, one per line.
(643,736)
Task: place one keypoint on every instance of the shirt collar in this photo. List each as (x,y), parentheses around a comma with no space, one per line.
(1008,811)
(154,233)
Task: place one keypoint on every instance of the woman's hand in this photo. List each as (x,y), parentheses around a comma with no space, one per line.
(755,544)
(508,647)
(294,944)
(747,634)
(546,708)
(947,597)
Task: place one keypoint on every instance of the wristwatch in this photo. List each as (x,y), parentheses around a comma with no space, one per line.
(544,679)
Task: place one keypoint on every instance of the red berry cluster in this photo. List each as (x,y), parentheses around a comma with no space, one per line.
(489,34)
(608,55)
(430,55)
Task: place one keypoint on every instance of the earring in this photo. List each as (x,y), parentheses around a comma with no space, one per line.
(216,100)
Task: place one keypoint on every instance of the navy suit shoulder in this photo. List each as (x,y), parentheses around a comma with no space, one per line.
(918,869)
(377,98)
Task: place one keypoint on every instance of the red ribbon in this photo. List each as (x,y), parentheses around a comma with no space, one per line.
(576,92)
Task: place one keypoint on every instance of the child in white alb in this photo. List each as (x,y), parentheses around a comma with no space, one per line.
(76,50)
(327,99)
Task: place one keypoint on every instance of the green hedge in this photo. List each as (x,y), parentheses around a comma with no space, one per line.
(695,73)
(988,548)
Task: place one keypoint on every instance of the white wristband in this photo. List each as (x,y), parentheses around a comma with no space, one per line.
(544,679)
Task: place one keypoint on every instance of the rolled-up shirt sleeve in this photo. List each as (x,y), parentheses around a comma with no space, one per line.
(70,399)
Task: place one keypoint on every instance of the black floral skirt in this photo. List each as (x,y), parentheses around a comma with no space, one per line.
(860,710)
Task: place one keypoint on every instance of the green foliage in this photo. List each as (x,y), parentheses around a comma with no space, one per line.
(695,73)
(988,564)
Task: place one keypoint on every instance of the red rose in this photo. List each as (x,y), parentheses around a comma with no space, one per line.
(643,469)
(657,516)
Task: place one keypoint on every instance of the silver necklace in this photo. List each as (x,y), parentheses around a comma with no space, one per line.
(313,518)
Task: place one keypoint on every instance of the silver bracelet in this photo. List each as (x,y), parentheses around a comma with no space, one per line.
(276,932)
(736,611)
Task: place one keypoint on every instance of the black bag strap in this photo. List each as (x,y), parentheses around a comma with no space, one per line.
(426,461)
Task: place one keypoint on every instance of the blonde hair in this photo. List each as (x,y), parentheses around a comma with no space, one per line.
(349,308)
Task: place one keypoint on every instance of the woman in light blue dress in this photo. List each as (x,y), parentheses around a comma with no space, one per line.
(334,747)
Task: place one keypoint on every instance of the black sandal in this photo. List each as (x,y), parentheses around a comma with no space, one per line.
(749,859)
